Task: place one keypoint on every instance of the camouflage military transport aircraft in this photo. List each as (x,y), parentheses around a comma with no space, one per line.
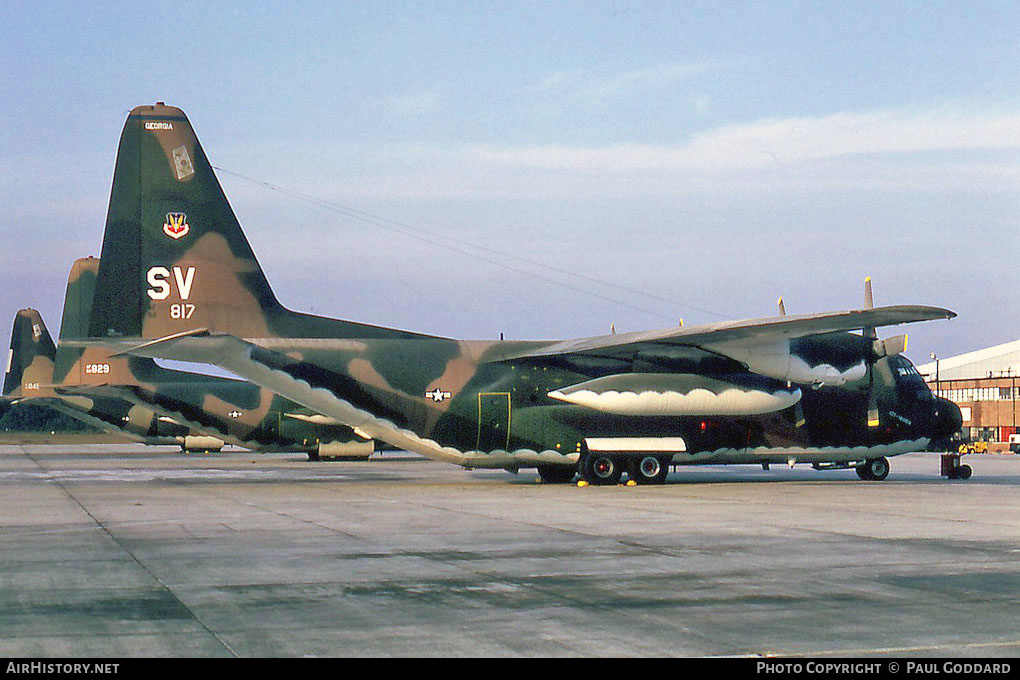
(142,400)
(178,271)
(29,378)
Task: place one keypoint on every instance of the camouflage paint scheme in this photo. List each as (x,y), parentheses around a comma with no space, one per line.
(29,377)
(135,396)
(177,268)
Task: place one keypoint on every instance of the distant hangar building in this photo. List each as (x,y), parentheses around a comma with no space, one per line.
(984,385)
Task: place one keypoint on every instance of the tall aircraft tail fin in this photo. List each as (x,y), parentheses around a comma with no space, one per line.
(78,297)
(77,365)
(30,361)
(174,256)
(173,252)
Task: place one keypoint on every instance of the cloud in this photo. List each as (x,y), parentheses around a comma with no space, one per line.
(881,150)
(589,86)
(771,142)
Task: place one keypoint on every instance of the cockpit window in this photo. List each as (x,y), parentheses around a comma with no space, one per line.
(909,379)
(904,367)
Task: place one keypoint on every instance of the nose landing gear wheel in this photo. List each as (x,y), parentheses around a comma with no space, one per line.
(874,470)
(648,469)
(961,472)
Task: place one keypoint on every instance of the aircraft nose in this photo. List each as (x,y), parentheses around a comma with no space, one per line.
(948,419)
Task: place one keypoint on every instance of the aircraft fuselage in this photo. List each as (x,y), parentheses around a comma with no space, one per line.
(497,412)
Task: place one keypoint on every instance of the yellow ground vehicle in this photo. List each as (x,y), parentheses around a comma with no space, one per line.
(973,447)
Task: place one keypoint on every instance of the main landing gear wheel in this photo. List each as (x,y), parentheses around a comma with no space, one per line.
(648,469)
(961,472)
(600,469)
(874,470)
(557,474)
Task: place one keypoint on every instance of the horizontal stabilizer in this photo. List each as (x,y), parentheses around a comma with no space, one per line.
(269,370)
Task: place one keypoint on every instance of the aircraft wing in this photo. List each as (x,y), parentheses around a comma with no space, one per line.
(130,394)
(84,416)
(746,333)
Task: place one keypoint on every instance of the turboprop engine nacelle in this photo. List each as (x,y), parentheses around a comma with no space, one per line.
(777,360)
(163,426)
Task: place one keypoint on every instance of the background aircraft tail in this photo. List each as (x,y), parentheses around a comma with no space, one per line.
(174,256)
(30,361)
(78,297)
(77,365)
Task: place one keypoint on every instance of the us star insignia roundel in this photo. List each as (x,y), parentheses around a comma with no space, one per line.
(438,395)
(176,225)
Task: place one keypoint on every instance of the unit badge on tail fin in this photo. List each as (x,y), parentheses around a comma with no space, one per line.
(176,225)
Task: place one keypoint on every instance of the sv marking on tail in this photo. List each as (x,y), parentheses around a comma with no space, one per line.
(160,282)
(158,278)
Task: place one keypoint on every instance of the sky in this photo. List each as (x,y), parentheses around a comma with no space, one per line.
(546,170)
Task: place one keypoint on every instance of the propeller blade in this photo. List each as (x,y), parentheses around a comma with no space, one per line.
(869,303)
(873,412)
(890,347)
(882,372)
